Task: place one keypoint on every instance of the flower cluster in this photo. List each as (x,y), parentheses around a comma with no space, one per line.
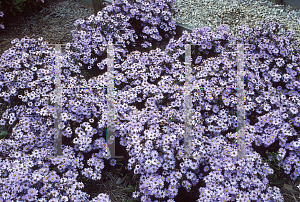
(149,105)
(32,95)
(28,87)
(153,141)
(121,23)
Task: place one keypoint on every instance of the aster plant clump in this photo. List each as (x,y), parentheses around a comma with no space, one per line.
(275,59)
(134,25)
(149,110)
(33,69)
(248,183)
(163,140)
(29,87)
(263,104)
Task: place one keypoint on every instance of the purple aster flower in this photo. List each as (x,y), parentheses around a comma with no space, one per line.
(32,191)
(294,110)
(30,198)
(198,60)
(113,162)
(206,169)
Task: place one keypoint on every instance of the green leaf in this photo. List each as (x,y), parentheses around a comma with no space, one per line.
(19,9)
(278,182)
(119,163)
(3,134)
(129,200)
(8,2)
(115,171)
(129,189)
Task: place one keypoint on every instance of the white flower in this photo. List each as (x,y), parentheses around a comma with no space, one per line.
(64,198)
(135,194)
(288,132)
(88,129)
(5,195)
(296,144)
(234,153)
(294,110)
(267,107)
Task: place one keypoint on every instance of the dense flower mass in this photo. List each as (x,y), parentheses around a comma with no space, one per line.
(132,25)
(32,134)
(216,105)
(149,108)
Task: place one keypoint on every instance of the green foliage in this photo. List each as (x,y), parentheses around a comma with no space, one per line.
(12,8)
(3,134)
(86,75)
(119,163)
(118,171)
(275,178)
(173,119)
(129,189)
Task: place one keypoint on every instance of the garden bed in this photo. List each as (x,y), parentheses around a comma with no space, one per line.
(65,40)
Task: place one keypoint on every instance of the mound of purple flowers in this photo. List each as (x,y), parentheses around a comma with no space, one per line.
(149,109)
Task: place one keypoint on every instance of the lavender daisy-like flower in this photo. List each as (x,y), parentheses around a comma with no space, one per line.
(206,169)
(294,110)
(198,60)
(32,191)
(113,162)
(135,194)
